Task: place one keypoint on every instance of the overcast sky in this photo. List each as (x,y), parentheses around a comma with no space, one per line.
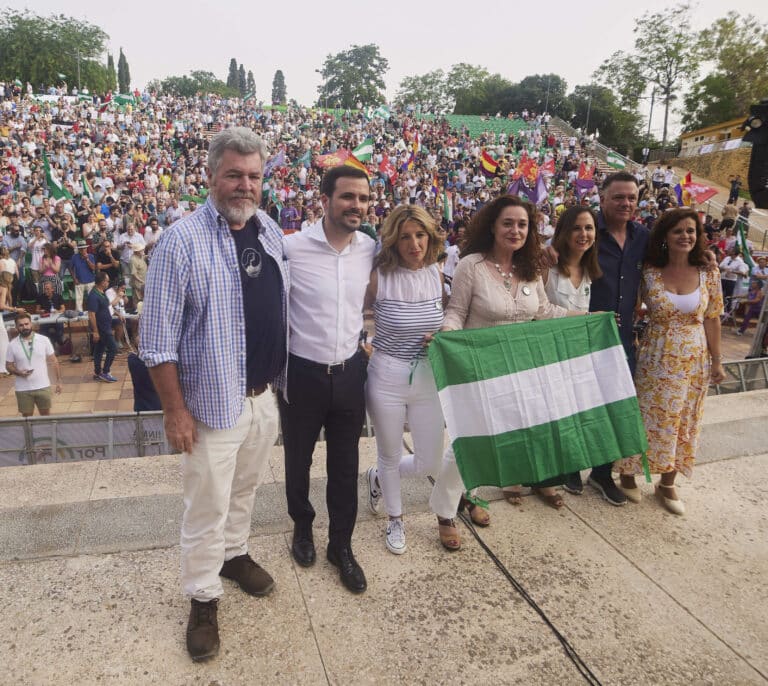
(515,39)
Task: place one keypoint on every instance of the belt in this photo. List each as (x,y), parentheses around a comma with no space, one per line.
(256,391)
(330,369)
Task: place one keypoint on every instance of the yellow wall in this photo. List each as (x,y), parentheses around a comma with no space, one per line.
(718,166)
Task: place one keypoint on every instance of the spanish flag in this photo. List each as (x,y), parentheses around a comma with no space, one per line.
(352,161)
(488,165)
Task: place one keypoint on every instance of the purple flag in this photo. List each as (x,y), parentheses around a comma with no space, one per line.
(277,161)
(535,194)
(679,194)
(583,186)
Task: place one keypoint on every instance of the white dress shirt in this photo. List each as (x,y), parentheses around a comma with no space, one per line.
(327,292)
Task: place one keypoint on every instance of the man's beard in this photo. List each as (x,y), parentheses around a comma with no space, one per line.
(26,333)
(236,214)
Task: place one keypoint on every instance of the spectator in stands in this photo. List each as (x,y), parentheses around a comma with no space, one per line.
(108,262)
(83,273)
(732,268)
(50,304)
(753,302)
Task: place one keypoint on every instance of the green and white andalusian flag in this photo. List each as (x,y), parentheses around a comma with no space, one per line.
(527,402)
(364,151)
(55,187)
(615,161)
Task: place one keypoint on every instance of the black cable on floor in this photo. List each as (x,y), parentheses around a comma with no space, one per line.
(570,651)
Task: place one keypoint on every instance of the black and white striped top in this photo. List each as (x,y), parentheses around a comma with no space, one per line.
(409,304)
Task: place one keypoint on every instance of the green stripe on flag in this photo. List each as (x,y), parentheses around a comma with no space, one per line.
(515,348)
(548,450)
(615,161)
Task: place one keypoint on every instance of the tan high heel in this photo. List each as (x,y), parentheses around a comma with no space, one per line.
(449,534)
(674,506)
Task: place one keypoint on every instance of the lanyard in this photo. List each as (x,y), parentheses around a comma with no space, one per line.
(31,347)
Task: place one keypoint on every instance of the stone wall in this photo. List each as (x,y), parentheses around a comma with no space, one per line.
(718,166)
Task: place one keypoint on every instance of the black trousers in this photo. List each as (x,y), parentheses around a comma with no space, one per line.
(334,401)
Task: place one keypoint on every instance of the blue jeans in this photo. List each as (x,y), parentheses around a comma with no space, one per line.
(106,343)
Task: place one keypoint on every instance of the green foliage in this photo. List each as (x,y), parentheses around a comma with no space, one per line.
(278,88)
(619,127)
(111,74)
(429,92)
(189,86)
(232,74)
(123,74)
(353,77)
(241,85)
(250,83)
(465,81)
(666,57)
(36,49)
(738,46)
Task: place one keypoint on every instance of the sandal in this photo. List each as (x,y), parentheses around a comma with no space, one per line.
(449,534)
(514,496)
(554,500)
(479,515)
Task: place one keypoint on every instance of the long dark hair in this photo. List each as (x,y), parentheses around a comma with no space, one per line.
(479,236)
(657,254)
(560,243)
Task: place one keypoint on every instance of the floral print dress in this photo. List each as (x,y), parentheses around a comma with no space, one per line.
(673,373)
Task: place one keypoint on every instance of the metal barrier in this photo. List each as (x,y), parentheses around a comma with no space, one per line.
(103,436)
(745,375)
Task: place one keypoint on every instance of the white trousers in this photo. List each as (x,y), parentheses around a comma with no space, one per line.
(448,488)
(397,391)
(81,290)
(3,346)
(220,477)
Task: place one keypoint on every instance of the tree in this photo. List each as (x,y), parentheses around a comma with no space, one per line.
(250,84)
(111,75)
(278,88)
(241,85)
(545,93)
(666,57)
(232,75)
(597,108)
(738,46)
(353,77)
(198,81)
(36,49)
(428,91)
(123,74)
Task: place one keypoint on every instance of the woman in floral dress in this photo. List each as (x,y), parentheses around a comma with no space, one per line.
(679,354)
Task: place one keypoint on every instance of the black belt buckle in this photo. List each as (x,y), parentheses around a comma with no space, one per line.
(336,368)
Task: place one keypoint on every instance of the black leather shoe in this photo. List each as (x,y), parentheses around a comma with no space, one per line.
(350,572)
(303,547)
(203,630)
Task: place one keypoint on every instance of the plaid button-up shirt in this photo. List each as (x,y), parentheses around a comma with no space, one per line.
(193,312)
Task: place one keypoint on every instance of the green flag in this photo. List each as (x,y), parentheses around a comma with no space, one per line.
(364,151)
(87,190)
(743,245)
(528,402)
(615,160)
(304,161)
(55,187)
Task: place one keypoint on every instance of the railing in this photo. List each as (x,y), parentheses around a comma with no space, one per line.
(745,375)
(102,436)
(600,149)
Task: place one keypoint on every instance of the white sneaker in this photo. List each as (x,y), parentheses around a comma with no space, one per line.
(396,536)
(374,491)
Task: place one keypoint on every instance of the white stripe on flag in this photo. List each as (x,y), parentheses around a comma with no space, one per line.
(537,396)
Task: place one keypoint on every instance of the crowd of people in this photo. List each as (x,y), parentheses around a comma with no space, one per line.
(253,271)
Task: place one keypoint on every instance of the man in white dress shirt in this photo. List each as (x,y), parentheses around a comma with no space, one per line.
(330,264)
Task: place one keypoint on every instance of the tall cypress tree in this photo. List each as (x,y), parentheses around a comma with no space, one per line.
(232,76)
(111,76)
(278,88)
(250,83)
(123,74)
(241,80)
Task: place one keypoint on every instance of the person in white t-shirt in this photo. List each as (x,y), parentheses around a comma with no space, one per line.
(27,359)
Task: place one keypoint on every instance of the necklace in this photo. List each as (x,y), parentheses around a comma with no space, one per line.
(28,353)
(506,276)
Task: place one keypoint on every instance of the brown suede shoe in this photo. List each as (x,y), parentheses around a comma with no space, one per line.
(203,630)
(251,578)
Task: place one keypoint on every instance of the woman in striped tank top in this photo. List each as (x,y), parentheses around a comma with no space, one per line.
(406,293)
